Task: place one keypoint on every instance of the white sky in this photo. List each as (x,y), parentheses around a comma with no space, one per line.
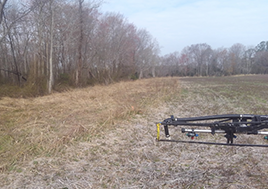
(179,23)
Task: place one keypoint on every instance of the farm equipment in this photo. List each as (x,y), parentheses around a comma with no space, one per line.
(229,125)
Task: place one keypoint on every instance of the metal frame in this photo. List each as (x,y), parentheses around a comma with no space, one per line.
(230,124)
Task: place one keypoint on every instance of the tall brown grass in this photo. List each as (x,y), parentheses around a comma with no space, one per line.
(43,126)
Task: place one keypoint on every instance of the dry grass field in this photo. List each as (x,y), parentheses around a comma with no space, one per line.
(104,136)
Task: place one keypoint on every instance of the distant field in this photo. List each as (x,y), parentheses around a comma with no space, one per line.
(104,137)
(247,94)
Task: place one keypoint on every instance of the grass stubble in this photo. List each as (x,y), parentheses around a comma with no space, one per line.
(104,136)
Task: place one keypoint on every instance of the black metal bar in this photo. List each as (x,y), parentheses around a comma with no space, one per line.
(166,131)
(225,116)
(216,124)
(214,143)
(212,117)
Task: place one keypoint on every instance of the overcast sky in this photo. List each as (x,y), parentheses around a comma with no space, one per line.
(179,23)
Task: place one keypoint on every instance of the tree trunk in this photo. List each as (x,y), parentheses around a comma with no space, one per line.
(79,63)
(14,56)
(141,74)
(50,82)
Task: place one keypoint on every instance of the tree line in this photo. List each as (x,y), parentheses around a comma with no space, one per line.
(48,43)
(202,60)
(52,42)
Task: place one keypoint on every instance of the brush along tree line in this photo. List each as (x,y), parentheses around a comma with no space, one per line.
(50,43)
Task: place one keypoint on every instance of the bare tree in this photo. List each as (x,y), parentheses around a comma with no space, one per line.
(146,52)
(201,54)
(248,60)
(12,36)
(50,81)
(170,64)
(80,42)
(236,53)
(2,6)
(220,61)
(260,58)
(22,11)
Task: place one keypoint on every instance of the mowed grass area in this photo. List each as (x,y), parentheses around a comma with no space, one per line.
(118,149)
(43,126)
